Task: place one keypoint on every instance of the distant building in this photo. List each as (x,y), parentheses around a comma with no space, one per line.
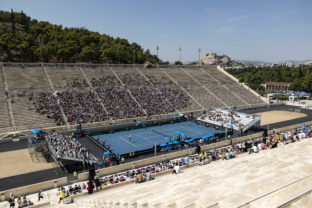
(214,59)
(309,63)
(277,86)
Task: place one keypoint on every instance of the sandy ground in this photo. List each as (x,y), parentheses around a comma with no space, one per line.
(270,117)
(19,162)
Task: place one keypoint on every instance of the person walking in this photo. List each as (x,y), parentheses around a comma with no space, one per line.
(40,195)
(11,200)
(75,175)
(62,194)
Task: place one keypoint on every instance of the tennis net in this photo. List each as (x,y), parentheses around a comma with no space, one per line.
(159,132)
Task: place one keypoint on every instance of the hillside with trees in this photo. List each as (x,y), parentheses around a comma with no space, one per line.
(300,76)
(23,39)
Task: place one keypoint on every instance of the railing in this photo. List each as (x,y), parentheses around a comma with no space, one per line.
(254,122)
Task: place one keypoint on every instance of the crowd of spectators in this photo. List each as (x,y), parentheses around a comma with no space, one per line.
(110,100)
(68,147)
(46,103)
(106,81)
(119,103)
(81,106)
(20,201)
(77,83)
(226,118)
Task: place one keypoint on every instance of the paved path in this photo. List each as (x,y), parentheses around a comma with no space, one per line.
(29,178)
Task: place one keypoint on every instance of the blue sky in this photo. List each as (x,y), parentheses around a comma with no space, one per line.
(267,30)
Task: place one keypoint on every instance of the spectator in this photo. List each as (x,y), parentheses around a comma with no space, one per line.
(139,177)
(97,183)
(227,155)
(149,176)
(62,194)
(40,195)
(176,169)
(254,149)
(90,187)
(19,201)
(186,161)
(11,200)
(24,202)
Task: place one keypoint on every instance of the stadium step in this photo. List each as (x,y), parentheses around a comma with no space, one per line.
(209,91)
(301,202)
(284,194)
(7,105)
(182,88)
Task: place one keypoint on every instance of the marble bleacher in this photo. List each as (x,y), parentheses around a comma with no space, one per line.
(162,78)
(234,87)
(245,94)
(216,87)
(270,178)
(205,98)
(32,78)
(26,78)
(62,77)
(29,79)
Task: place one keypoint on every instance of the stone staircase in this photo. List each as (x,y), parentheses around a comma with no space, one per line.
(301,202)
(4,112)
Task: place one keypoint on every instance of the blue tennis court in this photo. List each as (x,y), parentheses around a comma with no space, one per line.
(146,138)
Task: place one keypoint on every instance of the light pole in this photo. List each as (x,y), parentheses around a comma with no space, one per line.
(41,45)
(199,56)
(180,49)
(157,48)
(134,55)
(76,52)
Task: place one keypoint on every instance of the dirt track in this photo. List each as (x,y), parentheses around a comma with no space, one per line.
(19,162)
(271,117)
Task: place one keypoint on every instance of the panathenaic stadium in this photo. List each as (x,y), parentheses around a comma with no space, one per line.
(127,136)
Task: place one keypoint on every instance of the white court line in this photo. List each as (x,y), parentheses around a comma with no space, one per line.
(191,130)
(128,141)
(143,138)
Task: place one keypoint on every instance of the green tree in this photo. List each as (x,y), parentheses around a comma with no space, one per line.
(26,39)
(177,63)
(87,54)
